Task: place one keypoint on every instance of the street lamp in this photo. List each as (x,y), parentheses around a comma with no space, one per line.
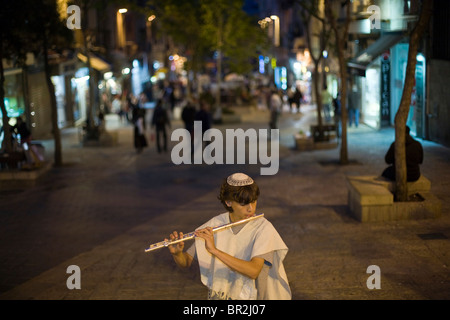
(149,27)
(277,30)
(120,28)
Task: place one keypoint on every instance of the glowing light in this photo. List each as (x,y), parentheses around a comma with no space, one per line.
(274,63)
(261,64)
(108,75)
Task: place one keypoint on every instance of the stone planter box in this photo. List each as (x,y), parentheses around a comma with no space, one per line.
(303,142)
(371,199)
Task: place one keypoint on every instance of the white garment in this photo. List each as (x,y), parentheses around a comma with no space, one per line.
(257,237)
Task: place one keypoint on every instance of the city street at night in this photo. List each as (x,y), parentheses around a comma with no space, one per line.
(269,152)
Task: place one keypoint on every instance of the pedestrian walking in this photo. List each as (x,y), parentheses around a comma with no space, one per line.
(326,103)
(188,116)
(140,142)
(296,99)
(337,114)
(275,108)
(204,115)
(353,107)
(160,121)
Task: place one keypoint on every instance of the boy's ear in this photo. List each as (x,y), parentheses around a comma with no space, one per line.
(228,203)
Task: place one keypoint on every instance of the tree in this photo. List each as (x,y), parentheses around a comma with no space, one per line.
(233,33)
(48,31)
(182,21)
(33,26)
(311,10)
(205,27)
(85,5)
(341,36)
(13,47)
(53,31)
(401,188)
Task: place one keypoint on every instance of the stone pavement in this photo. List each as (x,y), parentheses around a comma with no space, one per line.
(106,205)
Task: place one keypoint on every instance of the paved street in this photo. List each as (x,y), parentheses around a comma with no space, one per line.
(107,204)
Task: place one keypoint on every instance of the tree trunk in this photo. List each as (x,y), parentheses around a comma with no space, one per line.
(218,111)
(401,187)
(53,106)
(90,127)
(316,73)
(317,91)
(341,39)
(6,144)
(343,159)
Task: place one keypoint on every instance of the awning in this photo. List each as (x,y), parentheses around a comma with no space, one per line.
(366,57)
(96,63)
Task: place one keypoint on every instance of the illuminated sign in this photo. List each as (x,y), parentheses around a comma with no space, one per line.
(385,89)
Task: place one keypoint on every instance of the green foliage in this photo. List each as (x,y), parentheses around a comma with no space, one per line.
(204,26)
(23,24)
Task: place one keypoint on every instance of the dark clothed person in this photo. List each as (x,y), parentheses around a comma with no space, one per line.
(140,142)
(414,157)
(160,120)
(22,129)
(188,117)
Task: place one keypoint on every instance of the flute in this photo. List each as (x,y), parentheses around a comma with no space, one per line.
(192,235)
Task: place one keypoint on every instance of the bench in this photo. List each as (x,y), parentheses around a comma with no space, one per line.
(326,133)
(371,198)
(423,184)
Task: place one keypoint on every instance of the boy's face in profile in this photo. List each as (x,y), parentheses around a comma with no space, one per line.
(241,210)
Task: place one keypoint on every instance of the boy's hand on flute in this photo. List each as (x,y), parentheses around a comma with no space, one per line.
(208,235)
(177,247)
(182,259)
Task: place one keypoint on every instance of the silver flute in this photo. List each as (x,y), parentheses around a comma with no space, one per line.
(192,235)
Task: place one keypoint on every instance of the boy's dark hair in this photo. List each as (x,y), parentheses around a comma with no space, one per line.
(241,194)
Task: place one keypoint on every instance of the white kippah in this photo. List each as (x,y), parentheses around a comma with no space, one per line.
(239,180)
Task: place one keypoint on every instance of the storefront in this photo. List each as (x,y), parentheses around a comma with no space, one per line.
(375,76)
(417,113)
(14,93)
(80,93)
(370,88)
(382,90)
(15,98)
